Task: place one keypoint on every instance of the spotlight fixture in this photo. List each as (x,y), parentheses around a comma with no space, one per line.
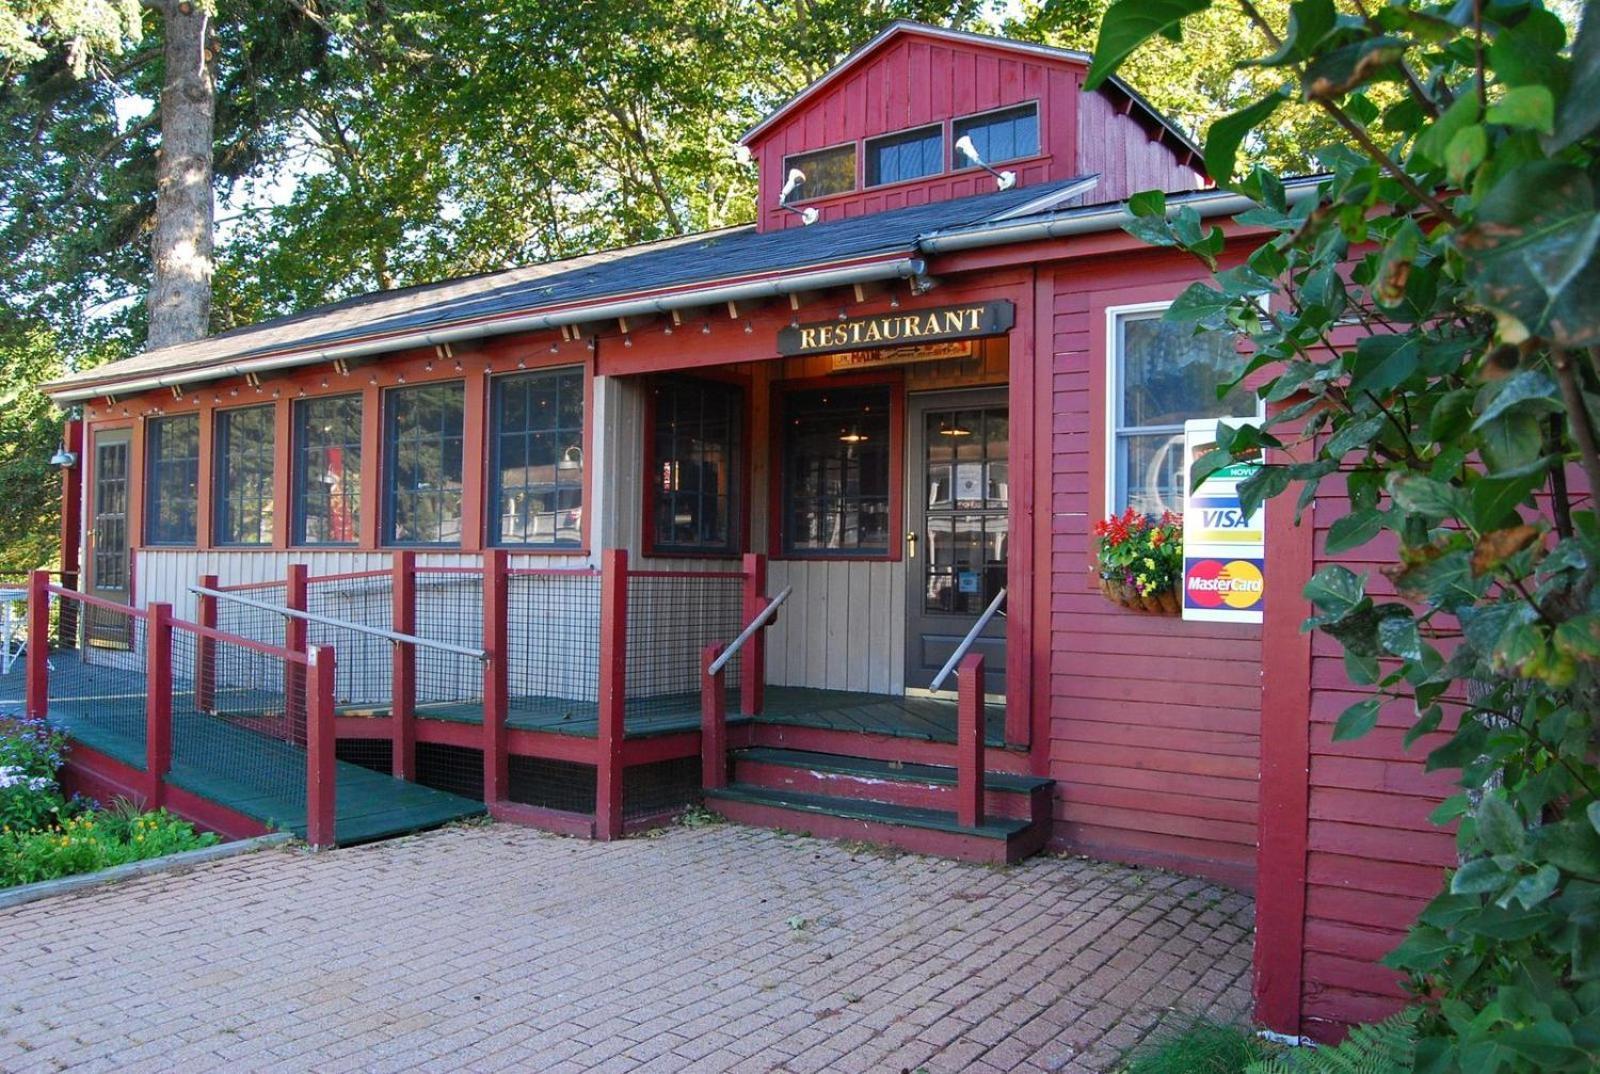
(797,179)
(64,458)
(1002,180)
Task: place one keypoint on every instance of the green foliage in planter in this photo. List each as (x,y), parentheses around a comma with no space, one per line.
(1142,553)
(1428,321)
(94,840)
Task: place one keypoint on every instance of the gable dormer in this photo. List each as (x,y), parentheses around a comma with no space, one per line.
(879,131)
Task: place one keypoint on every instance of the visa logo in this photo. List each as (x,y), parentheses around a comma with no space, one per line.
(1224,518)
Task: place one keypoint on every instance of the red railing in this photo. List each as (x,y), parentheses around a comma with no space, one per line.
(310,674)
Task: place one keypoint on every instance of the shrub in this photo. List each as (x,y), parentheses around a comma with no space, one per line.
(94,840)
(1199,1048)
(31,755)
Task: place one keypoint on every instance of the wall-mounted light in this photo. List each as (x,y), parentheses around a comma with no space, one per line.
(64,458)
(797,179)
(1003,180)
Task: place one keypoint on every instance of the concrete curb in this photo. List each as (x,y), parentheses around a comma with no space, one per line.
(65,885)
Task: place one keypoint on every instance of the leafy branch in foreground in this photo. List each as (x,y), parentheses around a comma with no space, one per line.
(1425,325)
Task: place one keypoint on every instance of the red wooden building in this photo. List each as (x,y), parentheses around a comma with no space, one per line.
(908,389)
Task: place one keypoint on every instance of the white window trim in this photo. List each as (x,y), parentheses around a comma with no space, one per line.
(1114,389)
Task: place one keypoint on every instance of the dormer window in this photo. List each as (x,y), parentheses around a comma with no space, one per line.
(911,154)
(1008,134)
(827,171)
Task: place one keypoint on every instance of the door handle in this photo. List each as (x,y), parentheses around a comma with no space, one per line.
(911,544)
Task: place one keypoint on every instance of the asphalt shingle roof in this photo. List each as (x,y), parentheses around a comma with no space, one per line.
(673,263)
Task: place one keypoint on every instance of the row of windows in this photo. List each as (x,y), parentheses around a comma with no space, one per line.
(1009,134)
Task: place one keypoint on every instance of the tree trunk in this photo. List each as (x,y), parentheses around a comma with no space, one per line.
(180,287)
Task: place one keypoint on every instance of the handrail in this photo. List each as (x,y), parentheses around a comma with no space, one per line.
(749,632)
(344,624)
(966,642)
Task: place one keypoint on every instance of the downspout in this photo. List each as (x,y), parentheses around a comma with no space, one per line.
(896,269)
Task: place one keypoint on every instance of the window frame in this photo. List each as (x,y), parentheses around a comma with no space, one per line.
(739,509)
(1113,429)
(491,484)
(777,539)
(868,144)
(151,459)
(957,167)
(852,144)
(297,479)
(221,434)
(387,470)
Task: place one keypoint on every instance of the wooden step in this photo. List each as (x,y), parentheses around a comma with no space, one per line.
(925,786)
(922,831)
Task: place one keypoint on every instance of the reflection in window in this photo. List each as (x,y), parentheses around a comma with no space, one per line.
(327,470)
(827,171)
(244,448)
(538,461)
(173,476)
(968,494)
(910,155)
(695,465)
(836,471)
(999,136)
(1164,375)
(425,444)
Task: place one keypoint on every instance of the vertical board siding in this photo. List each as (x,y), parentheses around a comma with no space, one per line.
(843,628)
(1154,722)
(1114,145)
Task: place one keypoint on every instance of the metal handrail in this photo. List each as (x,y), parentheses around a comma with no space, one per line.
(966,642)
(749,632)
(344,624)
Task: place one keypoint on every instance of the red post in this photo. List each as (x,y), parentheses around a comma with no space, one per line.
(295,640)
(969,741)
(613,691)
(157,701)
(321,802)
(38,658)
(205,650)
(496,693)
(713,722)
(753,676)
(403,673)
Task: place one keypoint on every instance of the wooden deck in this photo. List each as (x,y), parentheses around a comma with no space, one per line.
(259,776)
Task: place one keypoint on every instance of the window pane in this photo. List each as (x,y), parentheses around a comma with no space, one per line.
(827,171)
(1149,470)
(836,471)
(695,464)
(327,471)
(1169,374)
(537,433)
(244,459)
(999,136)
(905,156)
(425,428)
(173,477)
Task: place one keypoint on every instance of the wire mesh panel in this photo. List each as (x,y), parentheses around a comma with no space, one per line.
(653,789)
(672,617)
(257,624)
(553,635)
(376,754)
(238,734)
(564,785)
(455,769)
(365,666)
(449,608)
(97,692)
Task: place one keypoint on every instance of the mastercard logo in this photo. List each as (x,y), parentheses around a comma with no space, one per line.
(1212,583)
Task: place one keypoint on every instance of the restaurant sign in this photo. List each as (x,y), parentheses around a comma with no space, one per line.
(898,328)
(849,361)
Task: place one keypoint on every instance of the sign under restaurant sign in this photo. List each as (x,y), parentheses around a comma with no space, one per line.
(898,328)
(845,361)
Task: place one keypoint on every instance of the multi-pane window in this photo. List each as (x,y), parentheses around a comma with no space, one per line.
(827,171)
(1162,375)
(243,453)
(908,155)
(424,439)
(968,475)
(327,470)
(1004,135)
(172,479)
(694,465)
(111,515)
(836,472)
(537,432)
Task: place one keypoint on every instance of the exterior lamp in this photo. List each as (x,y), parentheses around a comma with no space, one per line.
(797,179)
(1002,180)
(64,458)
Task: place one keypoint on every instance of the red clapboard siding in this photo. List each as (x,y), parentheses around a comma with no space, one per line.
(1154,723)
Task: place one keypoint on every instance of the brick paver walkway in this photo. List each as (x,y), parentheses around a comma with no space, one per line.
(712,949)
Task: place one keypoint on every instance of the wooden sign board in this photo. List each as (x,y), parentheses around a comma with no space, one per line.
(898,328)
(925,352)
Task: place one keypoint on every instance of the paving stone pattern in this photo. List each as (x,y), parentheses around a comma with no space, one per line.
(710,949)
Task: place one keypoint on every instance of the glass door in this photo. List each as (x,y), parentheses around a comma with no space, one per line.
(110,568)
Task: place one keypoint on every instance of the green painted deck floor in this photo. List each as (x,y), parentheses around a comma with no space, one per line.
(249,772)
